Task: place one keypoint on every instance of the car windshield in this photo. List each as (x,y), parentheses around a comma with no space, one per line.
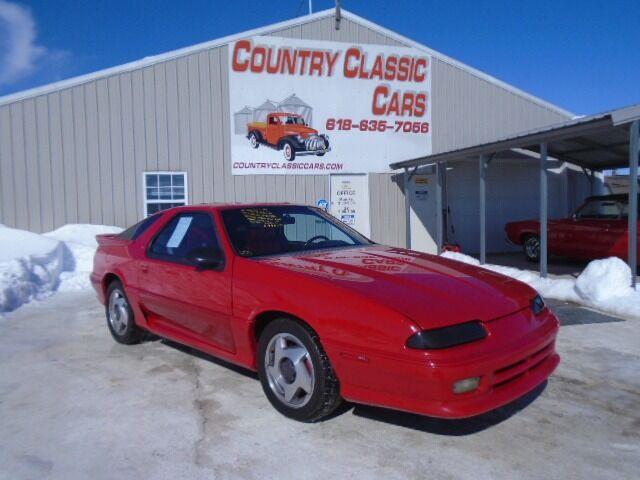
(294,121)
(274,230)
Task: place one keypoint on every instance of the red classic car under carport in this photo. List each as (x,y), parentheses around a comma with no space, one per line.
(599,228)
(323,314)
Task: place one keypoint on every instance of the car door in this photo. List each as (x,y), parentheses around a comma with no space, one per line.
(181,301)
(275,130)
(593,227)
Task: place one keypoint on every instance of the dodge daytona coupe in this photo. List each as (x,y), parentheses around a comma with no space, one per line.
(324,314)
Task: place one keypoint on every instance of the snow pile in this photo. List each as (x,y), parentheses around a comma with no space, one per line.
(32,265)
(80,242)
(603,285)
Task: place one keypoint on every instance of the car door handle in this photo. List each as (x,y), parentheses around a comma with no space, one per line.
(144,267)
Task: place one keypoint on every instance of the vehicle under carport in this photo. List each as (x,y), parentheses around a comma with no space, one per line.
(595,143)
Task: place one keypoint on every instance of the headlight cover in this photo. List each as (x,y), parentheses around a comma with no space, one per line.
(538,305)
(446,337)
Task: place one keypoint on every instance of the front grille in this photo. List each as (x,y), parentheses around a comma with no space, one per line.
(517,369)
(314,142)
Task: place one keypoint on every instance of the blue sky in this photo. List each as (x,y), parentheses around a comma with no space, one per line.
(581,55)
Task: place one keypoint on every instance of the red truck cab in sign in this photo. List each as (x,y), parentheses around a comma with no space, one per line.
(288,132)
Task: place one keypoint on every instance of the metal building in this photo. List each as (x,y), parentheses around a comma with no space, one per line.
(109,147)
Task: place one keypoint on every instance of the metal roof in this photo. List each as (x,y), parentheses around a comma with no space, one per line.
(597,142)
(163,57)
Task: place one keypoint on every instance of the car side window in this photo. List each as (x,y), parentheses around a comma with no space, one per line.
(133,232)
(601,209)
(184,233)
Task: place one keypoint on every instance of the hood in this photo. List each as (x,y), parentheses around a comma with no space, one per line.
(300,130)
(430,290)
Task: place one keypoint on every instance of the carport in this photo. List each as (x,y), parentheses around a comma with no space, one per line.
(595,143)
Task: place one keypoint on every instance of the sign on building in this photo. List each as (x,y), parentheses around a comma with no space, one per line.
(308,107)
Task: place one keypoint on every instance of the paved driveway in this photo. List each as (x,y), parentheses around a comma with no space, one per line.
(73,404)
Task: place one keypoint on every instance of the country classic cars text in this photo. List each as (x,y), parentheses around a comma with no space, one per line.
(352,63)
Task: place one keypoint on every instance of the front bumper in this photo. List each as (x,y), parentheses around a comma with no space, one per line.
(518,355)
(312,152)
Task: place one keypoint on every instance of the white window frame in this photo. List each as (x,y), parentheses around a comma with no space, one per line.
(147,201)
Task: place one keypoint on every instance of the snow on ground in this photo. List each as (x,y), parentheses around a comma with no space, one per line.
(603,285)
(33,265)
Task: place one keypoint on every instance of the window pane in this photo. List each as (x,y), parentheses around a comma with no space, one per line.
(152,193)
(178,180)
(165,193)
(165,180)
(153,207)
(152,180)
(178,193)
(183,234)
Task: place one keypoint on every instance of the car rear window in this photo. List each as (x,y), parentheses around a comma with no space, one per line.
(134,231)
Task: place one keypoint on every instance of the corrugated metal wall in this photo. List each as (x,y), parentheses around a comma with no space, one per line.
(77,155)
(467,109)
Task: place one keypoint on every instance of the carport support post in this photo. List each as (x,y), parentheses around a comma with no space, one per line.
(634,151)
(439,234)
(483,213)
(543,210)
(407,207)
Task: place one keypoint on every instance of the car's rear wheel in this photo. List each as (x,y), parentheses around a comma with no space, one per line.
(295,372)
(253,140)
(531,247)
(120,318)
(288,151)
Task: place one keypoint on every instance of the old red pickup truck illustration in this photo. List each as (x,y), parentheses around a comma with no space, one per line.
(288,132)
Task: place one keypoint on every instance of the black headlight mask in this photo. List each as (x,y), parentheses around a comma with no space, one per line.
(446,337)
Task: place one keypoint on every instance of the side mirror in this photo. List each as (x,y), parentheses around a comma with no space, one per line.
(206,258)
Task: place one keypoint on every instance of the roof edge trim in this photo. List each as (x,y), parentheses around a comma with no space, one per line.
(162,57)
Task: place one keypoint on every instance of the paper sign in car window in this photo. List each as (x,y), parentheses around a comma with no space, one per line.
(262,217)
(179,232)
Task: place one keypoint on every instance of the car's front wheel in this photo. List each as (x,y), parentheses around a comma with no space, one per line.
(295,372)
(531,247)
(288,151)
(120,319)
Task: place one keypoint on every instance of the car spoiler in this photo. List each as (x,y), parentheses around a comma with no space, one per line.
(105,239)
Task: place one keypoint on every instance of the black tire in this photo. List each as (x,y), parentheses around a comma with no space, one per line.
(531,248)
(288,151)
(254,140)
(321,154)
(127,333)
(325,395)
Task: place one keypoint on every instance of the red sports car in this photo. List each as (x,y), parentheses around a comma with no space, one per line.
(598,229)
(323,314)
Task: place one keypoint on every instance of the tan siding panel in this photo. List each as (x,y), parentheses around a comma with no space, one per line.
(44,163)
(467,109)
(117,165)
(104,146)
(80,149)
(57,165)
(33,172)
(7,185)
(130,179)
(19,165)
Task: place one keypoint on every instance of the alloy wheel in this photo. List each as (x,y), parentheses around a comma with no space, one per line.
(118,312)
(289,370)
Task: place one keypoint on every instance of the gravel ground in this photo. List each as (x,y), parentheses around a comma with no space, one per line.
(75,405)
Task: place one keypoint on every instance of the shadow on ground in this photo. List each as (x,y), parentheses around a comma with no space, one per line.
(571,314)
(446,427)
(209,358)
(433,425)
